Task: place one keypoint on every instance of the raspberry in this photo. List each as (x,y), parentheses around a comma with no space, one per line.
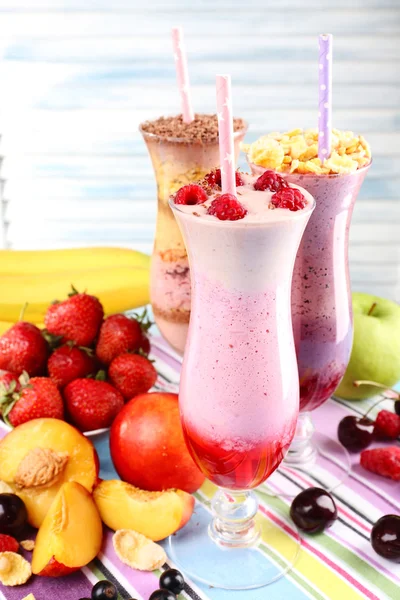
(227,208)
(190,195)
(290,198)
(214,178)
(8,543)
(387,425)
(270,181)
(383,461)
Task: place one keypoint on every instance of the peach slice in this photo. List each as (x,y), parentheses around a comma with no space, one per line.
(70,535)
(37,457)
(153,514)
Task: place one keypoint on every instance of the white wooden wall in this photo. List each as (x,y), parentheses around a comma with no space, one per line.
(78,76)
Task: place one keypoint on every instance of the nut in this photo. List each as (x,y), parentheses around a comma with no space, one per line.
(29,597)
(15,571)
(28,545)
(137,551)
(5,488)
(40,468)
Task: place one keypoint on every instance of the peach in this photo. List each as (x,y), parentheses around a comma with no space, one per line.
(148,448)
(153,514)
(37,457)
(70,535)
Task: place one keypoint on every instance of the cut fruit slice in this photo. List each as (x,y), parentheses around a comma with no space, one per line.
(37,457)
(153,514)
(70,535)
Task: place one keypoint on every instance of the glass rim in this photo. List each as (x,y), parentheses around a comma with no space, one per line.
(329,175)
(295,216)
(182,140)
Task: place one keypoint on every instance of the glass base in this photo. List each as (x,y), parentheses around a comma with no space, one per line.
(268,550)
(314,460)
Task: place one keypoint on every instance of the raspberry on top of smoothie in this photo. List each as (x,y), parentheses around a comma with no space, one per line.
(297,152)
(256,197)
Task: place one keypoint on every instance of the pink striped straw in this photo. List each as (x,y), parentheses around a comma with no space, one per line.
(325,96)
(182,74)
(225,132)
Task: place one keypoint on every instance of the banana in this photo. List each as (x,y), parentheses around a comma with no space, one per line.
(118,288)
(20,262)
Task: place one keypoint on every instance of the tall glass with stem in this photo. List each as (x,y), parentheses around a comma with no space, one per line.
(239,392)
(177,161)
(321,305)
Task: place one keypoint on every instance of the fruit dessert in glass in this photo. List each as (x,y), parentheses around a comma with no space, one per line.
(180,152)
(239,392)
(321,295)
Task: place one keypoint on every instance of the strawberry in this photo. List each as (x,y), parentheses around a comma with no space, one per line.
(68,363)
(120,334)
(23,348)
(132,374)
(383,461)
(38,398)
(8,543)
(76,319)
(92,404)
(387,425)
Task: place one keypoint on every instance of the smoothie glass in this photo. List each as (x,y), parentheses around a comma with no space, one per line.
(176,162)
(321,299)
(239,393)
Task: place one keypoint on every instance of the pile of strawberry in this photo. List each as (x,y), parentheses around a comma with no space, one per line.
(81,368)
(357,433)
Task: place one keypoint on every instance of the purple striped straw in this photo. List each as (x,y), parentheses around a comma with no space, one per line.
(325,96)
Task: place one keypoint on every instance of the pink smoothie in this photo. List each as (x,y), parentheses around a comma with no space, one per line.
(239,393)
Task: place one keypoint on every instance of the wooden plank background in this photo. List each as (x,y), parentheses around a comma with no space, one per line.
(78,77)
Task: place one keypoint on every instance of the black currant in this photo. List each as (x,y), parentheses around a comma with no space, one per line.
(13,514)
(104,590)
(172,580)
(162,595)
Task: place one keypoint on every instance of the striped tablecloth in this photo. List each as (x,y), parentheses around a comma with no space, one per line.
(339,564)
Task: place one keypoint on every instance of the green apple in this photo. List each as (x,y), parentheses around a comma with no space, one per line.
(375,355)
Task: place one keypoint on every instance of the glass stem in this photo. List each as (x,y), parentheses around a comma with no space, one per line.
(233,525)
(302,451)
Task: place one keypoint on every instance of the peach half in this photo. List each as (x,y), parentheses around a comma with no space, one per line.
(70,535)
(37,457)
(153,514)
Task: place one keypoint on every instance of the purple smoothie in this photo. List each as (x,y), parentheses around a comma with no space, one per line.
(321,293)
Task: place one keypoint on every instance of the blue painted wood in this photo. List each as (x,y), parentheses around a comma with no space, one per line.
(77,79)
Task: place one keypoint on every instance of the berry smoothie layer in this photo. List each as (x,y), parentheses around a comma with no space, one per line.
(239,385)
(180,153)
(321,295)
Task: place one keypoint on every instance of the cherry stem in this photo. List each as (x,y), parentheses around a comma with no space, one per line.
(374,405)
(371,310)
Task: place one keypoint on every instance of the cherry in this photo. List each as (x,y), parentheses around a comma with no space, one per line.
(385,537)
(13,514)
(172,580)
(355,433)
(313,510)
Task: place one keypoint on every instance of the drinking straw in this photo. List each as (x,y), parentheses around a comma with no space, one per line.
(225,133)
(325,96)
(182,74)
